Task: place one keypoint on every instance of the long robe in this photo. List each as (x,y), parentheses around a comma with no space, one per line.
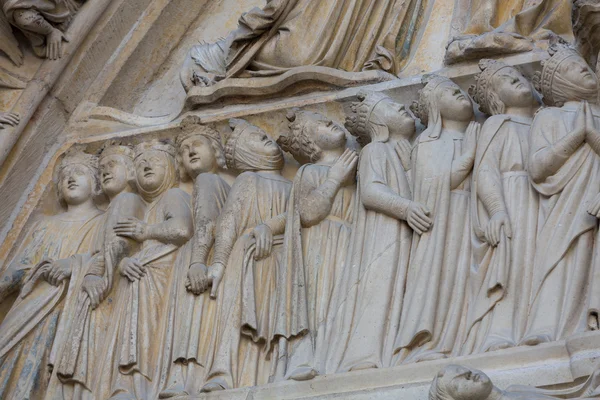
(29,330)
(563,259)
(246,301)
(321,261)
(142,352)
(440,258)
(79,361)
(341,34)
(371,290)
(193,339)
(500,279)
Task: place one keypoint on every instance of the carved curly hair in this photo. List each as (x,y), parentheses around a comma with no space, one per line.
(299,143)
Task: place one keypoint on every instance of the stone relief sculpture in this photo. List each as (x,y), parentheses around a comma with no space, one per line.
(201,155)
(441,253)
(373,280)
(43,22)
(563,167)
(92,305)
(586,18)
(456,382)
(500,27)
(247,252)
(143,329)
(30,337)
(282,36)
(317,234)
(505,210)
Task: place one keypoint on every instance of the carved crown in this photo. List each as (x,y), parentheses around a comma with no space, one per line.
(357,121)
(480,90)
(542,81)
(193,126)
(76,156)
(164,145)
(115,148)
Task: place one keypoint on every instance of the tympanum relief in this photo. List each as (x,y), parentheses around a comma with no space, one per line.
(471,237)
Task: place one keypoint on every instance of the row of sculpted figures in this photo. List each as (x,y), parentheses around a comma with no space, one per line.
(466,239)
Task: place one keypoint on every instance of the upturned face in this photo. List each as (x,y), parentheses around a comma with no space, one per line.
(468,384)
(578,72)
(396,117)
(113,175)
(327,134)
(260,143)
(197,155)
(76,184)
(512,88)
(454,103)
(151,169)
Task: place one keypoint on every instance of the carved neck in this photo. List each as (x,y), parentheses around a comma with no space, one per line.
(525,112)
(84,208)
(452,125)
(127,189)
(381,134)
(497,394)
(328,157)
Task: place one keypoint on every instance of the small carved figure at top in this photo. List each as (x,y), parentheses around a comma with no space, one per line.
(510,26)
(564,166)
(456,382)
(372,285)
(43,22)
(317,233)
(440,259)
(505,211)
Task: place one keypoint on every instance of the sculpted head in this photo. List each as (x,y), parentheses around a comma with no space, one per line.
(376,117)
(566,76)
(441,99)
(456,382)
(117,172)
(249,148)
(310,135)
(76,178)
(199,149)
(500,86)
(155,168)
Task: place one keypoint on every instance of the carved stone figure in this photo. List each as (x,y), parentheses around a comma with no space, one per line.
(8,43)
(29,334)
(142,328)
(510,26)
(43,22)
(247,251)
(505,210)
(564,168)
(373,280)
(287,34)
(317,233)
(200,154)
(440,258)
(91,307)
(456,382)
(586,21)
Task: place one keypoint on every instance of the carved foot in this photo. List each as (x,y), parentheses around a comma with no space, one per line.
(500,346)
(170,393)
(303,374)
(215,385)
(362,366)
(534,340)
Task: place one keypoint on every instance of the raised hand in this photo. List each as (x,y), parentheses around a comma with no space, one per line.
(264,241)
(590,122)
(499,223)
(215,274)
(580,126)
(471,137)
(418,218)
(343,170)
(197,279)
(404,149)
(132,228)
(132,269)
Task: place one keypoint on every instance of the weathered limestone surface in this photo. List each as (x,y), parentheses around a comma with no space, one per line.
(294,199)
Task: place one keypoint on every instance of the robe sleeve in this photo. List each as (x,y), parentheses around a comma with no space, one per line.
(177,226)
(489,186)
(316,197)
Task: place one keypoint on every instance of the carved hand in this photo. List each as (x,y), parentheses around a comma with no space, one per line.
(471,137)
(94,287)
(494,228)
(592,134)
(54,46)
(580,128)
(418,217)
(264,241)
(132,228)
(9,118)
(594,208)
(59,271)
(132,269)
(404,149)
(197,279)
(215,274)
(343,170)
